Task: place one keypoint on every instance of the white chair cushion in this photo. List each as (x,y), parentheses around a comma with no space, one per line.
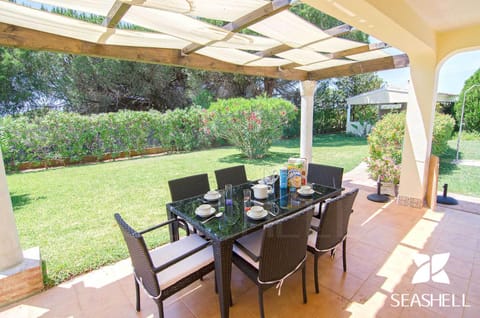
(312,238)
(315,223)
(186,266)
(249,244)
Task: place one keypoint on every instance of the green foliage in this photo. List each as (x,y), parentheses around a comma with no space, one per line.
(292,128)
(62,135)
(386,140)
(442,132)
(471,117)
(251,125)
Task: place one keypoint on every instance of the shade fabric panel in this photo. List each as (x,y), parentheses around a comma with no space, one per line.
(290,29)
(50,23)
(228,55)
(303,56)
(332,45)
(89,6)
(368,55)
(224,10)
(175,24)
(325,64)
(248,42)
(145,39)
(269,62)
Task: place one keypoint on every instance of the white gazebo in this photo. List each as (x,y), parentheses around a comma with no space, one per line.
(386,99)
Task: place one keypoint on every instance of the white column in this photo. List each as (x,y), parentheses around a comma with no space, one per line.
(10,251)
(307,90)
(349,110)
(417,142)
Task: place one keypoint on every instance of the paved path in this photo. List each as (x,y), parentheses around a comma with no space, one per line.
(358,177)
(474,163)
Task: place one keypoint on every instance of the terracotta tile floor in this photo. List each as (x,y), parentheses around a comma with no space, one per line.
(383,239)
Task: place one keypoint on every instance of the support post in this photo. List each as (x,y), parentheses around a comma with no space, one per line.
(10,251)
(349,111)
(307,91)
(418,130)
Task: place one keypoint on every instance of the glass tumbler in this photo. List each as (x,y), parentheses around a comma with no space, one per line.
(228,195)
(247,195)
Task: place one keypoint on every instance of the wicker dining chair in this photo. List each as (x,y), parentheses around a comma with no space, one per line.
(187,187)
(331,229)
(329,176)
(166,270)
(271,255)
(232,175)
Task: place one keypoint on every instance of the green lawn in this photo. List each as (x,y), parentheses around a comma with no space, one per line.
(461,179)
(68,212)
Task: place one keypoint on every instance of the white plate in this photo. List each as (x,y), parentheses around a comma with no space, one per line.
(212,198)
(306,193)
(257,216)
(212,211)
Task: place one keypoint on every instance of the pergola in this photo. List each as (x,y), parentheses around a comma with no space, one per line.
(282,45)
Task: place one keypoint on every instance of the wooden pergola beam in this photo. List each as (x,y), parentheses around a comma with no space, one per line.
(19,37)
(241,23)
(380,64)
(116,14)
(360,49)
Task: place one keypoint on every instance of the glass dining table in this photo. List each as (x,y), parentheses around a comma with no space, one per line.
(235,223)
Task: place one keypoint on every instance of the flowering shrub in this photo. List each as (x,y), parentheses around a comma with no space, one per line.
(251,125)
(386,140)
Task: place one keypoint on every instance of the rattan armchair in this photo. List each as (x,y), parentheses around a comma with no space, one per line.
(164,271)
(271,255)
(331,229)
(232,175)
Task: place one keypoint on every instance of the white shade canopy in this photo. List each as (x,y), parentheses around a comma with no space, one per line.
(282,44)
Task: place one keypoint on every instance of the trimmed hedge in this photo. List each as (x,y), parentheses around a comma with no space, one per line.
(62,135)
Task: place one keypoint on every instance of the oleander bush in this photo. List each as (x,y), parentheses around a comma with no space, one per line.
(251,125)
(62,135)
(442,132)
(386,141)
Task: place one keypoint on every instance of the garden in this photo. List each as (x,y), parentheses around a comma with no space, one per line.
(68,212)
(73,207)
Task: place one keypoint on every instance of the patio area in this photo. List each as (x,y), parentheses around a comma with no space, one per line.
(382,242)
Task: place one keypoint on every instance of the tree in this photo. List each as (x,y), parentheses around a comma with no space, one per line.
(471,118)
(331,99)
(105,85)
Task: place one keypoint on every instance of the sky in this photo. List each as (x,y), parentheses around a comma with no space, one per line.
(453,73)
